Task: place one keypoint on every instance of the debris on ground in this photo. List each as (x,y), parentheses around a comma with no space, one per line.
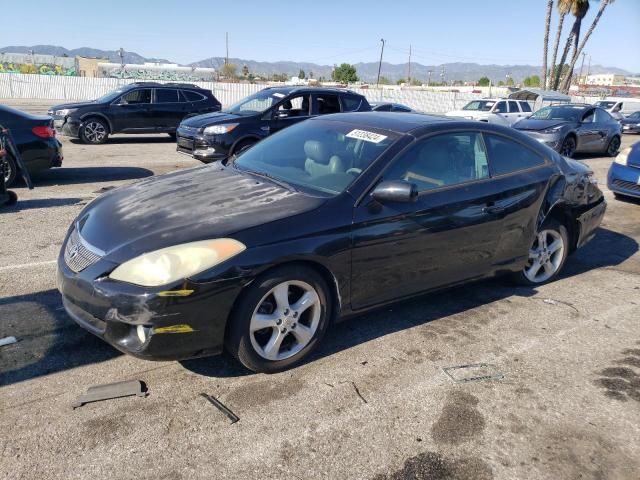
(7,341)
(112,390)
(473,372)
(216,403)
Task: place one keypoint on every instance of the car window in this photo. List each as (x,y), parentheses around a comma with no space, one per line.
(446,159)
(351,103)
(193,96)
(327,103)
(513,107)
(297,106)
(397,108)
(135,97)
(317,155)
(479,105)
(525,107)
(501,107)
(634,115)
(507,156)
(589,117)
(602,116)
(166,95)
(383,108)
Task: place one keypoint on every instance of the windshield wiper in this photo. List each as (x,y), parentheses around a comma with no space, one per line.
(277,181)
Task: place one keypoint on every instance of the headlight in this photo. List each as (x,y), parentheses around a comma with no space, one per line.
(552,129)
(623,156)
(220,129)
(64,112)
(174,263)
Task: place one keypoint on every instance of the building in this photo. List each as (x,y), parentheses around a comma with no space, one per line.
(155,71)
(605,79)
(88,66)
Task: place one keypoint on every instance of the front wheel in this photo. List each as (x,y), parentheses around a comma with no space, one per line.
(568,148)
(9,170)
(280,319)
(547,254)
(613,147)
(94,131)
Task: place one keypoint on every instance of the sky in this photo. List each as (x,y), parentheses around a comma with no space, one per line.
(502,32)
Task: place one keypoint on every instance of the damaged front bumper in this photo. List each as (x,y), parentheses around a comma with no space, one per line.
(168,323)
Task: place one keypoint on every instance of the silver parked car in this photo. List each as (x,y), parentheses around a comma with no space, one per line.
(572,128)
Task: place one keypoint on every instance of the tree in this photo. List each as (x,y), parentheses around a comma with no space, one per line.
(345,73)
(576,54)
(400,81)
(579,9)
(563,7)
(229,70)
(416,83)
(484,82)
(501,83)
(245,71)
(545,50)
(384,81)
(301,74)
(532,81)
(510,82)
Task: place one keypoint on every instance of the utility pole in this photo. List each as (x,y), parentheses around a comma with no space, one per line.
(226,41)
(380,63)
(429,72)
(121,55)
(581,65)
(409,72)
(442,75)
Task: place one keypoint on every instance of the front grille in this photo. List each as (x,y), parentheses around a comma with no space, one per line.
(78,255)
(185,143)
(634,187)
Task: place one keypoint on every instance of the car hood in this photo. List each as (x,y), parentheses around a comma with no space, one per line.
(214,118)
(629,121)
(466,113)
(71,105)
(535,124)
(197,204)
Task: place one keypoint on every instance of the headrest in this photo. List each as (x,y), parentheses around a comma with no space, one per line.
(287,105)
(317,151)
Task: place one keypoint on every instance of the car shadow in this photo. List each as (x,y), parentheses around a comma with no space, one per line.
(31,204)
(630,200)
(77,175)
(607,249)
(131,139)
(48,340)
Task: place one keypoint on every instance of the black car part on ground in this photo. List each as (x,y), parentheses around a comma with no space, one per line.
(8,147)
(326,233)
(140,107)
(217,136)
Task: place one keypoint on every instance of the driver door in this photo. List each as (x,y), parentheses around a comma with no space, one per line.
(588,136)
(290,111)
(133,111)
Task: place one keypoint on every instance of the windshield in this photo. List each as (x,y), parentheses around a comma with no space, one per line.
(571,114)
(634,115)
(320,156)
(605,105)
(256,103)
(109,97)
(479,105)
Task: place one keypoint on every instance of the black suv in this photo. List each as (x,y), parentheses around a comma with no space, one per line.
(216,136)
(143,107)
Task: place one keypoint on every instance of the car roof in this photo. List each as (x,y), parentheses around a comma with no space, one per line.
(400,122)
(161,85)
(299,89)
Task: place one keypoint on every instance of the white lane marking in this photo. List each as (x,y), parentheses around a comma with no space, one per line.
(27,265)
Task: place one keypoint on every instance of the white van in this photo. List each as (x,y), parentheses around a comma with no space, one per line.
(619,108)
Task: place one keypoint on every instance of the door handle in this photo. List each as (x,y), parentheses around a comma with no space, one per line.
(492,209)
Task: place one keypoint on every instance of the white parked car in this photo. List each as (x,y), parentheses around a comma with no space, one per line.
(494,110)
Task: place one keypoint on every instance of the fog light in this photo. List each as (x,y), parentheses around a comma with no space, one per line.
(204,151)
(142,333)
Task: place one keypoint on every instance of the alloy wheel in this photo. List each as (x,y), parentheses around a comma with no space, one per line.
(613,147)
(568,147)
(285,320)
(94,132)
(545,256)
(5,170)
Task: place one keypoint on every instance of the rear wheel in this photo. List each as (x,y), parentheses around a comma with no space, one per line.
(546,255)
(568,148)
(94,131)
(280,319)
(9,170)
(613,147)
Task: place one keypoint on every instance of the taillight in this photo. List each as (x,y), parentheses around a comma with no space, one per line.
(44,132)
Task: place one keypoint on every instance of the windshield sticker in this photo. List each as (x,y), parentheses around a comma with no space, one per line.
(366,136)
(278,94)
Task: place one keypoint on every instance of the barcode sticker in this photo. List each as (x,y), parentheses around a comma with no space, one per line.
(366,136)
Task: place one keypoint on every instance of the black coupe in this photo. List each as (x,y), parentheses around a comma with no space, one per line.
(325,219)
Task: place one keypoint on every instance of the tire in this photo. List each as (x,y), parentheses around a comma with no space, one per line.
(94,131)
(13,198)
(613,147)
(9,170)
(242,146)
(568,148)
(269,331)
(551,229)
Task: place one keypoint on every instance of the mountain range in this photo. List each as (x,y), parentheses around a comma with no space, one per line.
(366,71)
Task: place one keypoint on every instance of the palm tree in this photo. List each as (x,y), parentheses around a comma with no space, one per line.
(545,50)
(579,9)
(563,7)
(578,52)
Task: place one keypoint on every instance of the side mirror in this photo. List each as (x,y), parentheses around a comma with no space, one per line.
(395,191)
